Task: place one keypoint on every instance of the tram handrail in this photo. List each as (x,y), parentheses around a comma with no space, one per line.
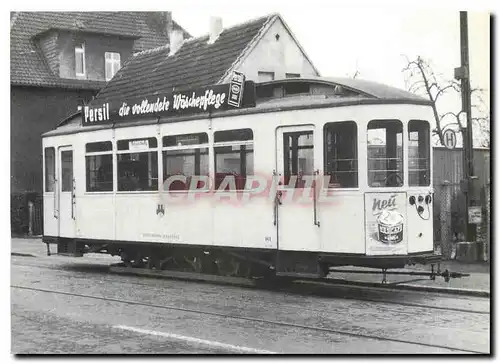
(56,197)
(316,222)
(73,200)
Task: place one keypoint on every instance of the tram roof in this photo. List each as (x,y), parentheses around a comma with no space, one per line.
(330,92)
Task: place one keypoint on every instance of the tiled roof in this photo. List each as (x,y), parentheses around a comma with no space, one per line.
(28,64)
(195,64)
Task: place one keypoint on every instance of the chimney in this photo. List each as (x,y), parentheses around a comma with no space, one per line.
(215,29)
(169,24)
(176,39)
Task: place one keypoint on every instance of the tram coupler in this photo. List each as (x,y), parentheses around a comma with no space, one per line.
(447,275)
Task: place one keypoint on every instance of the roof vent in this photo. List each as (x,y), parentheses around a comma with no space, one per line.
(176,39)
(215,29)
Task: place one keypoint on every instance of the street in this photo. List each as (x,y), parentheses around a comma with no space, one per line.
(73,306)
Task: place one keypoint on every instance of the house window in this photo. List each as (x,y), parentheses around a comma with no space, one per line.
(80,60)
(266,76)
(112,63)
(292,75)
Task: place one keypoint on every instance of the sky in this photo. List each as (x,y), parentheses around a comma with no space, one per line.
(342,38)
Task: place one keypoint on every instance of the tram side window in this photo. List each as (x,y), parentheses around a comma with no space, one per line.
(419,153)
(298,157)
(50,169)
(99,166)
(385,153)
(137,164)
(233,157)
(184,157)
(341,154)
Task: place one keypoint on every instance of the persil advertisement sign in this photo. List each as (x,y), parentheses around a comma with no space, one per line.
(238,94)
(385,219)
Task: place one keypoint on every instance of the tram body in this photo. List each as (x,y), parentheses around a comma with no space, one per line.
(367,202)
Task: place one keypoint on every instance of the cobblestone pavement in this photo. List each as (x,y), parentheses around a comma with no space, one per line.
(479,278)
(166,311)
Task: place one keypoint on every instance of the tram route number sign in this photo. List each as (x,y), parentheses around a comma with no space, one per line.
(239,93)
(449,139)
(236,88)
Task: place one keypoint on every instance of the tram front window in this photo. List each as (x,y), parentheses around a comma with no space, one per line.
(385,153)
(419,153)
(138,165)
(341,157)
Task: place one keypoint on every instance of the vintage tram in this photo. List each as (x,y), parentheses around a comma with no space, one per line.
(289,178)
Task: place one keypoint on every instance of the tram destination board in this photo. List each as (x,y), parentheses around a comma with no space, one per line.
(202,100)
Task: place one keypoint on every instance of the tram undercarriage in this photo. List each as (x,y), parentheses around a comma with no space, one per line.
(245,263)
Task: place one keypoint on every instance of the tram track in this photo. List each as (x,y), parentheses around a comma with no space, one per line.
(247,318)
(324,290)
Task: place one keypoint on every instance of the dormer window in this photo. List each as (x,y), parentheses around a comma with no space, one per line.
(112,61)
(80,60)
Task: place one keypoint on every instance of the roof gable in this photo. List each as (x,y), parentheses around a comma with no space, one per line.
(197,63)
(28,64)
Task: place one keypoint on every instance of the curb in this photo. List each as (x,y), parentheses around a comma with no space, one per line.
(455,291)
(403,287)
(22,255)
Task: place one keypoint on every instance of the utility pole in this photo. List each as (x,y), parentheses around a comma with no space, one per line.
(462,73)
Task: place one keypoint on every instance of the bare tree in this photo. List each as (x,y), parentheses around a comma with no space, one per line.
(421,79)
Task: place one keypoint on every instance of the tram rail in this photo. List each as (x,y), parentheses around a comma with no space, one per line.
(248,319)
(324,288)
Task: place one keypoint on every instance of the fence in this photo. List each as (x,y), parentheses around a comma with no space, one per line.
(450,216)
(26,214)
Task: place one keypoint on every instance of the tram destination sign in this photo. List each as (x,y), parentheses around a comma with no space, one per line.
(235,95)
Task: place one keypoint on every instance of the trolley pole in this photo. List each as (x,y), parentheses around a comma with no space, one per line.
(462,73)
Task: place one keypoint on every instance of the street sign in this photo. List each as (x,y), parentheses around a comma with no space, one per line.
(475,215)
(449,139)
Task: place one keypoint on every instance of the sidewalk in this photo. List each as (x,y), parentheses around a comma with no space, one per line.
(33,246)
(479,279)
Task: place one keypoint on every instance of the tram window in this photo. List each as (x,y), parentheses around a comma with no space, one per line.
(137,164)
(298,157)
(185,155)
(341,154)
(233,156)
(99,167)
(385,153)
(50,169)
(418,153)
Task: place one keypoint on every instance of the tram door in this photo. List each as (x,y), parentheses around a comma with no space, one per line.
(66,192)
(296,227)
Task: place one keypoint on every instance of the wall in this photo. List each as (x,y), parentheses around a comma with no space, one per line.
(95,47)
(278,56)
(35,111)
